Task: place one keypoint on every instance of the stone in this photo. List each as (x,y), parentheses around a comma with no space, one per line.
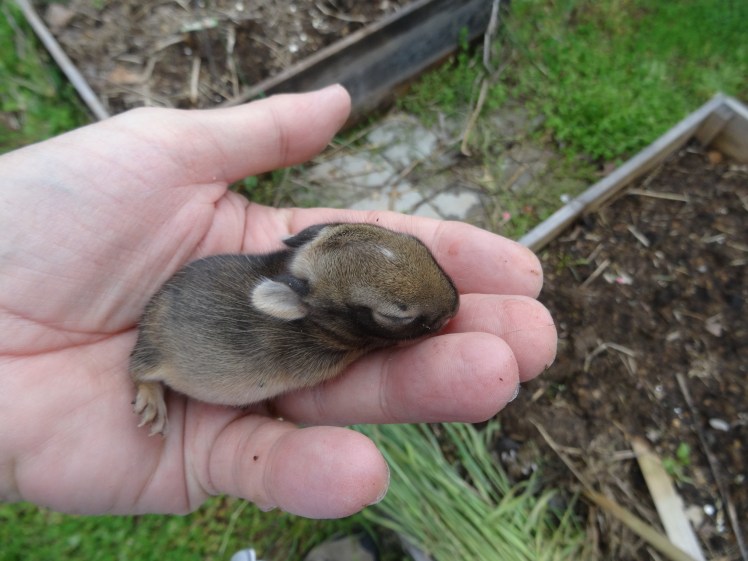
(350,548)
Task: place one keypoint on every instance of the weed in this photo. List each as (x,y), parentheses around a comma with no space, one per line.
(568,261)
(264,189)
(677,466)
(448,88)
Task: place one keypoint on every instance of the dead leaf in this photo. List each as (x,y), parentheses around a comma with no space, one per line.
(122,76)
(714,325)
(58,17)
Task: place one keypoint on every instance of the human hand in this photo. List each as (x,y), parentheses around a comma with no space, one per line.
(94,221)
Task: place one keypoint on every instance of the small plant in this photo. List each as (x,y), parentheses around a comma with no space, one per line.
(461,505)
(448,88)
(677,466)
(267,189)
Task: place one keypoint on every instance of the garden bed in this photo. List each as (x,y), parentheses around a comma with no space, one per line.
(651,287)
(189,54)
(197,54)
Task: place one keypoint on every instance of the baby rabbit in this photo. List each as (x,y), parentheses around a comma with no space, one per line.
(237,329)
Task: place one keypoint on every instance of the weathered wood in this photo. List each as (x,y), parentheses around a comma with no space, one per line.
(370,63)
(733,138)
(713,124)
(722,121)
(373,61)
(667,501)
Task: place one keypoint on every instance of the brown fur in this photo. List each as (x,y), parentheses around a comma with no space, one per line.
(237,329)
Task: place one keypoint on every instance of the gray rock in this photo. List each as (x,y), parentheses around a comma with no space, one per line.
(351,548)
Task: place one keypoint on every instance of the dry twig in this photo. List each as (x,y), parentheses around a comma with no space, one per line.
(488,37)
(337,15)
(714,467)
(659,195)
(640,237)
(194,79)
(596,273)
(638,526)
(602,347)
(230,61)
(666,499)
(67,66)
(633,522)
(493,27)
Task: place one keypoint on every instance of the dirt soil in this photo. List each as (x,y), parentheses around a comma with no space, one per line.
(651,287)
(197,53)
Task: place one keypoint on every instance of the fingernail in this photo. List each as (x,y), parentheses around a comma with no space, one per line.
(515,394)
(332,87)
(383,493)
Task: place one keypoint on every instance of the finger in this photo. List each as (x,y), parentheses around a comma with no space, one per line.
(476,260)
(228,144)
(470,381)
(317,472)
(465,377)
(522,322)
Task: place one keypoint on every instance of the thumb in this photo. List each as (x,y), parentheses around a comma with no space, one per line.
(230,143)
(316,472)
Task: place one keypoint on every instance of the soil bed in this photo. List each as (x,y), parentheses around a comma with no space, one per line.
(197,53)
(651,286)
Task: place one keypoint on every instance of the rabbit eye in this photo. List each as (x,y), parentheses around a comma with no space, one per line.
(391,320)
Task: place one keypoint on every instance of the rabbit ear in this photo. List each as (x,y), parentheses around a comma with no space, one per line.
(282,300)
(306,235)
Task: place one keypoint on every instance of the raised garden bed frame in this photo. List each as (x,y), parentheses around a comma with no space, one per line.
(721,123)
(371,62)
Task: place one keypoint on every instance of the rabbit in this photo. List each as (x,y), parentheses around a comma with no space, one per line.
(239,329)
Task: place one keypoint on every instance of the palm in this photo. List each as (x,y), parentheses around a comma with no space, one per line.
(105,216)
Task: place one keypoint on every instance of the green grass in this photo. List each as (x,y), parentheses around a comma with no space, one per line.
(612,76)
(35,100)
(608,76)
(214,532)
(604,78)
(460,504)
(450,88)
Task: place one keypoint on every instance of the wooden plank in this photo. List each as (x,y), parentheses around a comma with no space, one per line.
(667,501)
(631,170)
(370,63)
(733,138)
(373,61)
(713,124)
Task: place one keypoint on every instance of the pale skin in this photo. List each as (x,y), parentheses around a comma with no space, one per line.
(94,221)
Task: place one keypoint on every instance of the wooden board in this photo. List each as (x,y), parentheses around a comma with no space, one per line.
(722,122)
(733,137)
(372,62)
